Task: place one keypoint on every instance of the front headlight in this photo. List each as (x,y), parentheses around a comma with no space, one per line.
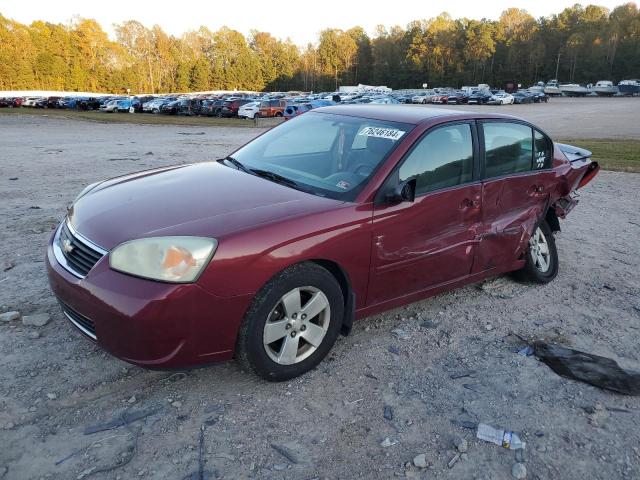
(168,259)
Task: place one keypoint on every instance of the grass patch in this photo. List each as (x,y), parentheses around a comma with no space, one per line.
(621,155)
(140,118)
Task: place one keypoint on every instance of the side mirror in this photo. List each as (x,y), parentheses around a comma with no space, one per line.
(403,192)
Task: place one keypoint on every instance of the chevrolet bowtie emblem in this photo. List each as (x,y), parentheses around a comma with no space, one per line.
(67,246)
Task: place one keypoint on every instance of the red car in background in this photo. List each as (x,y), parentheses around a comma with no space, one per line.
(343,212)
(272,108)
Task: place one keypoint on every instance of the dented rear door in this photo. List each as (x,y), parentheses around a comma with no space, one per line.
(515,191)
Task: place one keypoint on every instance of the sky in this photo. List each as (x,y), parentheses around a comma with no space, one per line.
(286,18)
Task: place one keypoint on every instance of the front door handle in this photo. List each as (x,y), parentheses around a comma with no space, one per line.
(537,188)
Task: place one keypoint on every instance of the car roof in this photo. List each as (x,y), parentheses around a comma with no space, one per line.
(413,114)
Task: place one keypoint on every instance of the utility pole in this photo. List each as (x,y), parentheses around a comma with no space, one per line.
(557,65)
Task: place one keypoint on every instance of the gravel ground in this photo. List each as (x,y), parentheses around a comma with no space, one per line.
(220,422)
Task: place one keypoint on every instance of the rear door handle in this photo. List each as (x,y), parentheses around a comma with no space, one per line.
(537,188)
(469,203)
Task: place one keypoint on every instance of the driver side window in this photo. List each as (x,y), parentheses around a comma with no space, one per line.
(443,158)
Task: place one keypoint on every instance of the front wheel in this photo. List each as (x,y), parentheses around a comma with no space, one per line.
(541,257)
(292,323)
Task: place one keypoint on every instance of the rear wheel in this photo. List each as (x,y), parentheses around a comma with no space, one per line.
(541,257)
(292,323)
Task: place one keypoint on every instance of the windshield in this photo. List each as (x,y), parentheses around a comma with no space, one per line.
(325,154)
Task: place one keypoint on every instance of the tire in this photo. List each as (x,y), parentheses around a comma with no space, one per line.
(279,114)
(299,284)
(535,270)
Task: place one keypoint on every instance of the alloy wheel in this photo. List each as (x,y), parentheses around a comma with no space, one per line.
(297,325)
(540,251)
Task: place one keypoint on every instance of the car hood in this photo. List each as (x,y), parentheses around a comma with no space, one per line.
(205,199)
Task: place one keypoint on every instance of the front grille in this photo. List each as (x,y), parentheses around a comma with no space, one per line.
(84,324)
(80,256)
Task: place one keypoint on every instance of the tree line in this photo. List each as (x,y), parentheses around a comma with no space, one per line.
(583,44)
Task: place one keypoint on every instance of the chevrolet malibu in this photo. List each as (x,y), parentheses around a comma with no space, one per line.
(272,252)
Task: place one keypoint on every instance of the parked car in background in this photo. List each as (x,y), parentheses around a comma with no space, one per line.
(88,103)
(211,108)
(272,108)
(540,97)
(521,97)
(501,98)
(230,107)
(480,97)
(457,98)
(189,106)
(154,106)
(30,101)
(249,110)
(422,97)
(122,105)
(391,205)
(139,101)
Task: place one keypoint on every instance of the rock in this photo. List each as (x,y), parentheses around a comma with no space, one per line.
(37,320)
(176,404)
(280,466)
(132,399)
(461,444)
(388,412)
(519,471)
(34,334)
(85,473)
(429,324)
(420,461)
(454,460)
(401,334)
(52,396)
(598,415)
(6,266)
(3,471)
(387,442)
(10,316)
(488,327)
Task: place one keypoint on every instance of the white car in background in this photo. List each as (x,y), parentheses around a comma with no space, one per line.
(501,98)
(249,110)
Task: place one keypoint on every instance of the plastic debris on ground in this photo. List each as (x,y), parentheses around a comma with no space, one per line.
(502,438)
(599,371)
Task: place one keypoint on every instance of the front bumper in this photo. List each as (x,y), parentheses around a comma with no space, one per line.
(147,323)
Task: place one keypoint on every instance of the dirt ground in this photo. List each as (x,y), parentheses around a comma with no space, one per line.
(454,358)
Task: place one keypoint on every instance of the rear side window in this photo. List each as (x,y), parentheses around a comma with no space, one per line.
(508,148)
(543,150)
(441,159)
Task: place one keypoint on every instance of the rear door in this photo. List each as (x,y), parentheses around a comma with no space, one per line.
(430,241)
(517,176)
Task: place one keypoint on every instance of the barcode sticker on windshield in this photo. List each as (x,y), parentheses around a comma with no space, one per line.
(390,133)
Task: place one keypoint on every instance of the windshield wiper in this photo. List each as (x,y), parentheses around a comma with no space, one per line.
(276,177)
(235,163)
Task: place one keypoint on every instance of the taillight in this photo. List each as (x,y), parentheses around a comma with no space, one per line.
(592,171)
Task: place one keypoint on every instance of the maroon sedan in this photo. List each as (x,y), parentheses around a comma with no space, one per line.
(346,211)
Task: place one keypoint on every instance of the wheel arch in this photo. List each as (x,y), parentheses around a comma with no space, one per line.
(552,220)
(342,277)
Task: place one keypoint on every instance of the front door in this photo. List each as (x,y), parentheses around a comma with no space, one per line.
(421,244)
